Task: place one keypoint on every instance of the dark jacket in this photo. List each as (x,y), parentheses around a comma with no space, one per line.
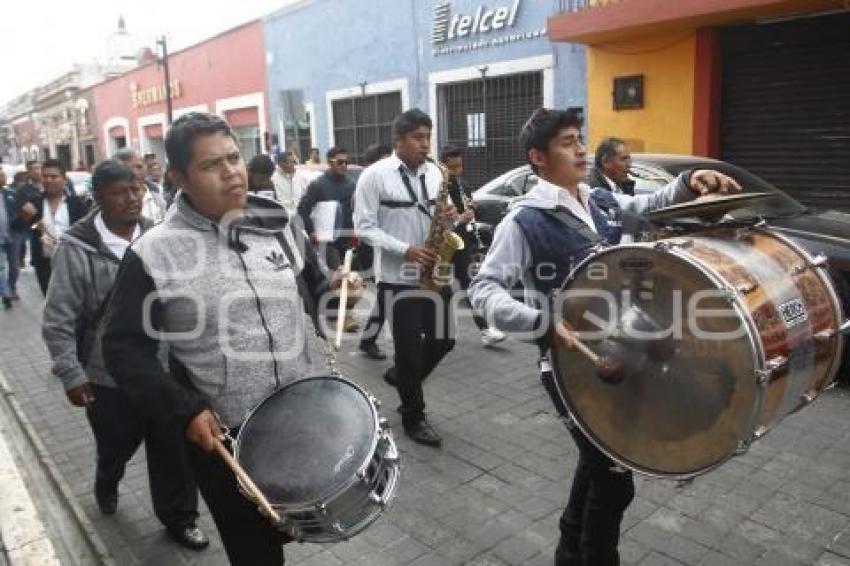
(329,187)
(218,294)
(84,272)
(77,208)
(597,180)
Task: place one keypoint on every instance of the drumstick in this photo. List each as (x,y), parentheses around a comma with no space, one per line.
(343,298)
(246,481)
(608,370)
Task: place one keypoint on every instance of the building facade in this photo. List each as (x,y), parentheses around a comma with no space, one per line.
(339,72)
(760,83)
(225,74)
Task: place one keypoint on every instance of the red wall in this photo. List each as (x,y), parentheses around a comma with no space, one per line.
(230,64)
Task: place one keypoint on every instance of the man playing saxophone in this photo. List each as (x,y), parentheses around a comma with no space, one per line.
(395,212)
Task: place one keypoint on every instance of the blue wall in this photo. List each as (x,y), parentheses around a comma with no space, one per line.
(323,45)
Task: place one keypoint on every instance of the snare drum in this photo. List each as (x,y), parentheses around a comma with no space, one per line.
(720,334)
(319,452)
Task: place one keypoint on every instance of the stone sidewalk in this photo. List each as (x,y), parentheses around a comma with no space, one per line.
(493,494)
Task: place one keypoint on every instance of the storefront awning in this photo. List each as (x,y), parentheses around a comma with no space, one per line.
(613,20)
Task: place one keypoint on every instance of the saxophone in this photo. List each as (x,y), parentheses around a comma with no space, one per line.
(441,239)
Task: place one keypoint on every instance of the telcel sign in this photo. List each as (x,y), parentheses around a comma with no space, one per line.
(449,26)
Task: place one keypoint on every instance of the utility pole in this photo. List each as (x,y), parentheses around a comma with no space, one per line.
(163,61)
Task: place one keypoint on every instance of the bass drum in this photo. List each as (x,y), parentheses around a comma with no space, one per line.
(720,334)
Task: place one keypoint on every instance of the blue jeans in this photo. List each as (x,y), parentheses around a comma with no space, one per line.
(16,244)
(4,252)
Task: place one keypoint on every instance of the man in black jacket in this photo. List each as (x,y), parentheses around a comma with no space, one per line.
(611,167)
(52,213)
(333,186)
(84,268)
(461,197)
(218,281)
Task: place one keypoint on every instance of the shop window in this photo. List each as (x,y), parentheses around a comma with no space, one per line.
(249,141)
(484,116)
(364,120)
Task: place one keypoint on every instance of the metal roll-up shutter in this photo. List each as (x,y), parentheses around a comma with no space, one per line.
(786,105)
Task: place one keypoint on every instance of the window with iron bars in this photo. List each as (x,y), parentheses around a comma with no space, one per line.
(364,120)
(483,117)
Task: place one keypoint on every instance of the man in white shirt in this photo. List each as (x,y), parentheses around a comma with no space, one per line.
(394,204)
(289,183)
(84,269)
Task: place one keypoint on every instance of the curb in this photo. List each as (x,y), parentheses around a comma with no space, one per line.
(56,510)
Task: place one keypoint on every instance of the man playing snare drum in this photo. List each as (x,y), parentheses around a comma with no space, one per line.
(217,282)
(555,226)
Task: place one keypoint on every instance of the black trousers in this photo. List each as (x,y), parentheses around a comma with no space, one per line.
(248,538)
(462,263)
(590,525)
(375,322)
(118,431)
(423,333)
(42,271)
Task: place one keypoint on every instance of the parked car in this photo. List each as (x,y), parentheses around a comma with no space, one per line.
(81,181)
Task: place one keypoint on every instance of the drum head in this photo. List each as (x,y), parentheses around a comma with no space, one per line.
(684,402)
(307,440)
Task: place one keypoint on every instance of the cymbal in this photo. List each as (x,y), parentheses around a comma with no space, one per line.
(710,207)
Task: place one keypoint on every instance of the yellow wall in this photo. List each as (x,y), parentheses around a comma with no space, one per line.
(665,123)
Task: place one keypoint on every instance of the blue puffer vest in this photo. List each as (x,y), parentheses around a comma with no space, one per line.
(559,240)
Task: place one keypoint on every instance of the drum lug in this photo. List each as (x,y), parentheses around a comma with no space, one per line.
(845,328)
(746,288)
(771,368)
(807,397)
(798,269)
(375,401)
(321,509)
(383,423)
(336,528)
(377,500)
(731,294)
(760,431)
(819,260)
(743,446)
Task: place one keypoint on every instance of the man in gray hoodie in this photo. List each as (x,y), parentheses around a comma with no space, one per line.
(84,268)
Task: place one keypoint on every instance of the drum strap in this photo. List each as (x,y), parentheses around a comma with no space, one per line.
(303,289)
(547,377)
(572,222)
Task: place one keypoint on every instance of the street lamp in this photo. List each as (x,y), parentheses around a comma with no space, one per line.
(162,61)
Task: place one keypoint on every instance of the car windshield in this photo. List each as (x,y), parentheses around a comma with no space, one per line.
(779,204)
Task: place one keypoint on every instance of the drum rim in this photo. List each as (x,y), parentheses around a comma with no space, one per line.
(830,286)
(332,492)
(754,338)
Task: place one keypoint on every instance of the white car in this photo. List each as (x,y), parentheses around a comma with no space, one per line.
(81,181)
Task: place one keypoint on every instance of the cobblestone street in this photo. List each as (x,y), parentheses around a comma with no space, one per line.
(493,494)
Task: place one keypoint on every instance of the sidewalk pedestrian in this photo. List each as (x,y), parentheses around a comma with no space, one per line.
(153,203)
(52,213)
(365,262)
(289,183)
(84,268)
(7,257)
